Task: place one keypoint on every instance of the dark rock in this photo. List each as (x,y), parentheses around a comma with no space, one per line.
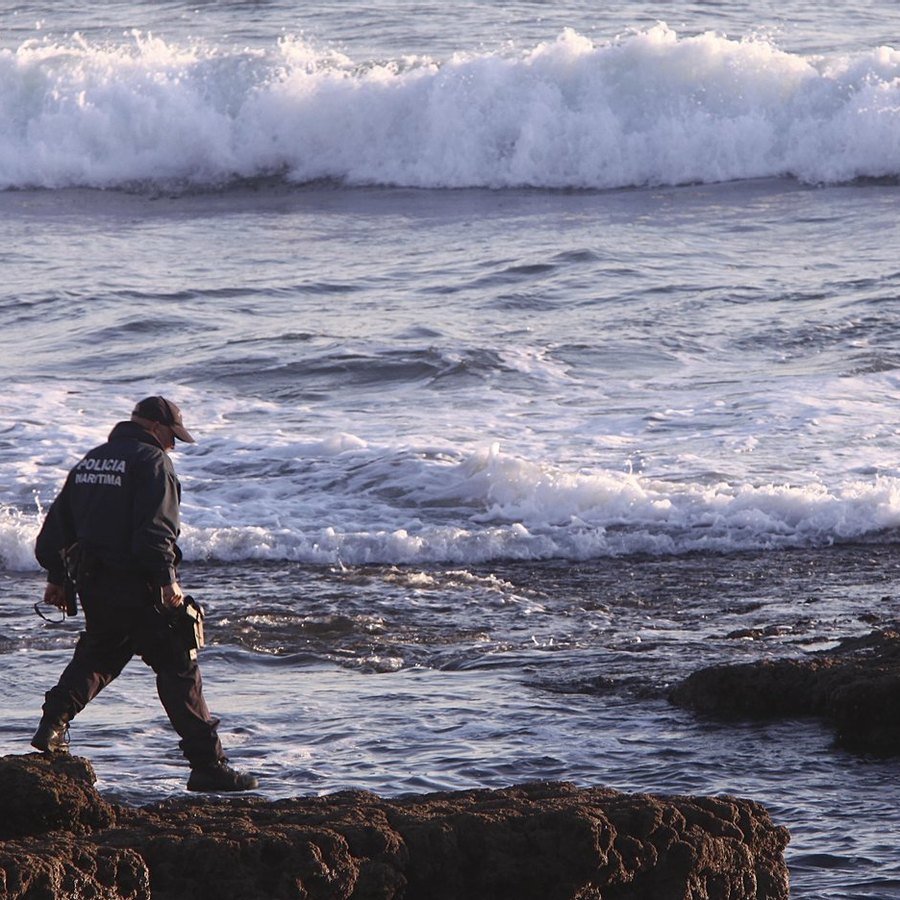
(50,793)
(546,841)
(61,866)
(855,686)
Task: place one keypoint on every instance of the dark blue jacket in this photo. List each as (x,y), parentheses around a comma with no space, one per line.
(121,504)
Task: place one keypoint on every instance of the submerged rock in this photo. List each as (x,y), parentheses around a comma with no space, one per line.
(855,686)
(546,841)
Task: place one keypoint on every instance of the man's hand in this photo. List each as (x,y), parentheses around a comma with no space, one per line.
(172,597)
(55,595)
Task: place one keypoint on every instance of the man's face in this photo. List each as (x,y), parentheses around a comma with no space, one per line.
(164,435)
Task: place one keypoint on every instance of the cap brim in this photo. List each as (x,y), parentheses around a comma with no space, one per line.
(182,434)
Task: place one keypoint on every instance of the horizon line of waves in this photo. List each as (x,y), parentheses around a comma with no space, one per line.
(447,545)
(488,506)
(597,520)
(650,108)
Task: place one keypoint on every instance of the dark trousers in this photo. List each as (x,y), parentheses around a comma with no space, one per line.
(122,619)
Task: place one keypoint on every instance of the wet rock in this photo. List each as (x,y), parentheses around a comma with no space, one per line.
(855,686)
(546,841)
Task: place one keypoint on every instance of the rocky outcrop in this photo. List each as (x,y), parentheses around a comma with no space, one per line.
(855,686)
(546,841)
(50,817)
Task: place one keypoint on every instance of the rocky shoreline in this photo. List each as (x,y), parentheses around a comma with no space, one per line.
(855,687)
(59,838)
(545,841)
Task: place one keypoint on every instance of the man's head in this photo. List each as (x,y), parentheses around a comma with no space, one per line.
(163,418)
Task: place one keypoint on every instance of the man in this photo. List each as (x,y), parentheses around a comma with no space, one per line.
(118,516)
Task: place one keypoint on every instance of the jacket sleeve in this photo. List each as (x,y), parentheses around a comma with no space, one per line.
(156,521)
(57,533)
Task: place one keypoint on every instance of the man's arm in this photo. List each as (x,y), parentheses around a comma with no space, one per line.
(156,524)
(56,534)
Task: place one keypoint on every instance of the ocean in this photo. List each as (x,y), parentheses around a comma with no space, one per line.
(538,355)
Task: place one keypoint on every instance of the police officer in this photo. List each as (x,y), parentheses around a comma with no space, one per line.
(118,516)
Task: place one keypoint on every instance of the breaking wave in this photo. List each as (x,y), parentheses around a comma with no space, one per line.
(650,108)
(358,504)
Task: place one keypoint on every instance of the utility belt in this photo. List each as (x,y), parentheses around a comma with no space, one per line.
(185,623)
(84,566)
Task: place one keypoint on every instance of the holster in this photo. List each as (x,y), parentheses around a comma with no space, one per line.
(82,566)
(186,627)
(72,560)
(88,568)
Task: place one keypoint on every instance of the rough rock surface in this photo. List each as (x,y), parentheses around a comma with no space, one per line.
(545,841)
(855,686)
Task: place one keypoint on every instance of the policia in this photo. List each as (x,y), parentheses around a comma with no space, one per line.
(111,536)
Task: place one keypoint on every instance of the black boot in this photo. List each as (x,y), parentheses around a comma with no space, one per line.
(220,776)
(52,736)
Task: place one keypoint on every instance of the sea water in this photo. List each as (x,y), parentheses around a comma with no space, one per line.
(538,355)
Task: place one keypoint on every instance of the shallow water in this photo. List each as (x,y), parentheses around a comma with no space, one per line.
(396,680)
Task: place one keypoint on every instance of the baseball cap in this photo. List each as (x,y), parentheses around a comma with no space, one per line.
(158,409)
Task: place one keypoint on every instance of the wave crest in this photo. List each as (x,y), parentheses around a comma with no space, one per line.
(650,108)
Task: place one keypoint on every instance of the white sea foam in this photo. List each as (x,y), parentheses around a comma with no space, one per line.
(258,486)
(485,506)
(648,108)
